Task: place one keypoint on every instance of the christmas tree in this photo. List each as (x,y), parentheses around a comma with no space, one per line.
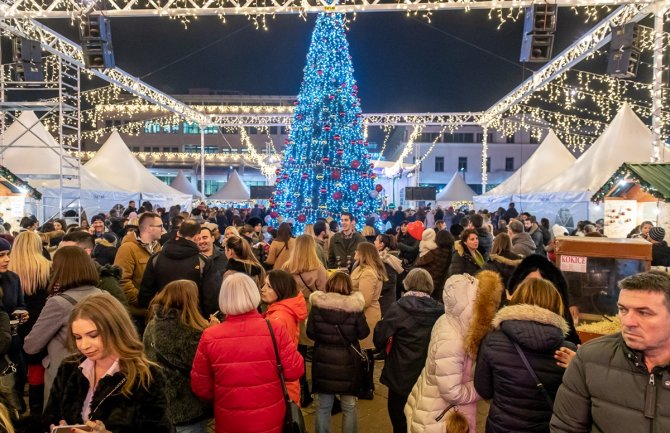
(327,168)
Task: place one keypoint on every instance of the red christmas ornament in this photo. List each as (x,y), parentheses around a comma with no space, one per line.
(342,113)
(277,170)
(337,195)
(339,151)
(331,97)
(319,71)
(305,175)
(289,204)
(286,141)
(284,176)
(354,187)
(359,115)
(355,164)
(364,175)
(323,190)
(295,102)
(359,203)
(326,128)
(302,218)
(335,175)
(325,159)
(373,176)
(379,188)
(352,142)
(355,86)
(337,137)
(360,141)
(372,165)
(274,214)
(299,117)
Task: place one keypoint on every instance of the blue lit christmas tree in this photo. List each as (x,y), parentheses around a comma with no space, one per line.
(327,168)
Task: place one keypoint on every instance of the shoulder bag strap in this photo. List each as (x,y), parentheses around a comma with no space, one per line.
(280,368)
(361,353)
(305,284)
(539,384)
(68,298)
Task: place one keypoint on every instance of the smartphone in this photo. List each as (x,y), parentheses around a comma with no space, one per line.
(67,428)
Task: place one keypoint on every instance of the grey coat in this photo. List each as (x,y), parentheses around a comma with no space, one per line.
(51,331)
(172,344)
(523,244)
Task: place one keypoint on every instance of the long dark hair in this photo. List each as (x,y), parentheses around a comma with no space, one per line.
(283,284)
(284,232)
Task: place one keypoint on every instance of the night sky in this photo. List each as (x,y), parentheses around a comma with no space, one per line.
(458,62)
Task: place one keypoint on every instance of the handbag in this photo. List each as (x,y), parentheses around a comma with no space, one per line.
(456,422)
(363,362)
(538,383)
(293,419)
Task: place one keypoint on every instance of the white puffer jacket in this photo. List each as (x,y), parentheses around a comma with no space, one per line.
(447,377)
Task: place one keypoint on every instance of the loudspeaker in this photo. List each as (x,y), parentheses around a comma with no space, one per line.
(538,28)
(96,42)
(624,53)
(27,58)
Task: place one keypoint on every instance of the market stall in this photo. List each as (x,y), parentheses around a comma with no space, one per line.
(13,194)
(633,194)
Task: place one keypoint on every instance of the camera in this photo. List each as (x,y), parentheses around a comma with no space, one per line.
(14,327)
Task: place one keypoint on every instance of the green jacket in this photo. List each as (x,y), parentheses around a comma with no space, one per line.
(608,389)
(110,281)
(341,250)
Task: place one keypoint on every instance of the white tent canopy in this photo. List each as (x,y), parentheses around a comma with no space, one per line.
(456,190)
(233,190)
(115,164)
(181,183)
(548,162)
(567,195)
(31,152)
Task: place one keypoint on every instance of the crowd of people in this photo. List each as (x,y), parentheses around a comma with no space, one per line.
(159,321)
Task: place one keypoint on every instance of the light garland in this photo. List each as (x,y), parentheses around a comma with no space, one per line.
(627,172)
(267,170)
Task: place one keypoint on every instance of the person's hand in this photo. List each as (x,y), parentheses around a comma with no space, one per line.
(564,356)
(93,426)
(21,315)
(574,312)
(213,320)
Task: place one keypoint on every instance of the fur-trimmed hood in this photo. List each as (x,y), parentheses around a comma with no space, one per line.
(533,327)
(473,302)
(506,260)
(353,303)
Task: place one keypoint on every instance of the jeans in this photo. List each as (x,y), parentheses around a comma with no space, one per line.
(349,413)
(199,427)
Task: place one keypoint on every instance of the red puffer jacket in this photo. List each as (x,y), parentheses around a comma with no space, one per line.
(235,366)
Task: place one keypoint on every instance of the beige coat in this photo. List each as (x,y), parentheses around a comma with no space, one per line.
(366,281)
(279,253)
(316,281)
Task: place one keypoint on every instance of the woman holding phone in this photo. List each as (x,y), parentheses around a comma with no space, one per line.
(111,387)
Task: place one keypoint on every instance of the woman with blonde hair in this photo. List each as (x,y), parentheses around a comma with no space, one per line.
(336,323)
(530,326)
(242,259)
(113,387)
(73,278)
(171,340)
(281,247)
(368,277)
(33,271)
(235,364)
(310,275)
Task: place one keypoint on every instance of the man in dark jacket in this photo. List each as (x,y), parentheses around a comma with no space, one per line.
(531,227)
(408,245)
(179,259)
(209,303)
(484,235)
(409,321)
(510,213)
(343,244)
(621,382)
(660,251)
(175,223)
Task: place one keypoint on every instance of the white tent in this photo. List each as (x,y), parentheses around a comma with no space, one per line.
(31,152)
(456,190)
(115,164)
(181,183)
(233,190)
(567,195)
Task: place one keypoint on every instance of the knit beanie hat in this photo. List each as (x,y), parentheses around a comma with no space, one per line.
(657,233)
(5,245)
(98,217)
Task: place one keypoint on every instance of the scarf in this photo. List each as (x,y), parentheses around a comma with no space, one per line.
(392,260)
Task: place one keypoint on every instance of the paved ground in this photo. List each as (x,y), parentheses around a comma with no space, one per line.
(372,414)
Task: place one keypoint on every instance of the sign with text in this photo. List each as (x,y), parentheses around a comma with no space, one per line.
(573,264)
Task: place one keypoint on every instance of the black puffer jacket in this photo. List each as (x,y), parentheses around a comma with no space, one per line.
(179,259)
(462,261)
(145,410)
(485,241)
(518,405)
(211,286)
(409,248)
(335,367)
(504,263)
(660,254)
(410,322)
(172,345)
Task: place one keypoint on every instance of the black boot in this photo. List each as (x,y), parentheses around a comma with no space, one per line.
(305,395)
(36,399)
(369,377)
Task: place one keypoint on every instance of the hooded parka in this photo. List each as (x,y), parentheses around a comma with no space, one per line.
(446,379)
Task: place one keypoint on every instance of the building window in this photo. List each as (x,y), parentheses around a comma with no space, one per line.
(489,137)
(195,148)
(428,137)
(488,164)
(135,148)
(273,130)
(510,139)
(155,149)
(462,163)
(459,137)
(283,130)
(509,164)
(439,163)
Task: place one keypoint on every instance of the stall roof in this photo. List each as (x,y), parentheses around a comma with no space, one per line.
(654,178)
